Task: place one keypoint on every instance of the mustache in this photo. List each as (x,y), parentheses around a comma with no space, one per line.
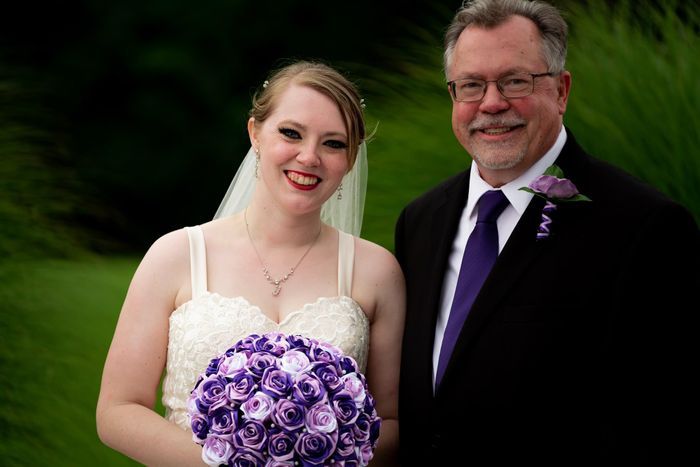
(481,123)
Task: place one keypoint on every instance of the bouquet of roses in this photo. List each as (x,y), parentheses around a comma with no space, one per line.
(277,400)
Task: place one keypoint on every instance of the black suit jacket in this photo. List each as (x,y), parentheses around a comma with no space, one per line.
(568,354)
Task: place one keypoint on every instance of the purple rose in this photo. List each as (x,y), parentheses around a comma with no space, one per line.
(276,383)
(281,445)
(272,342)
(251,435)
(258,406)
(315,448)
(240,387)
(216,450)
(213,366)
(247,344)
(259,361)
(246,458)
(276,463)
(211,394)
(223,421)
(308,390)
(345,447)
(200,427)
(293,362)
(374,431)
(288,415)
(320,418)
(328,375)
(347,365)
(553,187)
(324,352)
(344,407)
(361,428)
(299,342)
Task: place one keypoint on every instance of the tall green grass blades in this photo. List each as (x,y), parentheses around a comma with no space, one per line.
(636,91)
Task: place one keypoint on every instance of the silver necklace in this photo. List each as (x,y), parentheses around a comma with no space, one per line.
(276,283)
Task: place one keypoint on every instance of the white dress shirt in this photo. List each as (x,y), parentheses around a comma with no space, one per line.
(506,223)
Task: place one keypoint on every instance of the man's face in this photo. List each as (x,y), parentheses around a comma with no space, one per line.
(506,136)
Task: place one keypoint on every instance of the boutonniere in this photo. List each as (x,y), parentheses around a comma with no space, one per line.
(554,188)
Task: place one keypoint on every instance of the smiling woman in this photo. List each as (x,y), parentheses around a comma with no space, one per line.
(200,289)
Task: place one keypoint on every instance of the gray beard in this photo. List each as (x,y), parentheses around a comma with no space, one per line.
(501,162)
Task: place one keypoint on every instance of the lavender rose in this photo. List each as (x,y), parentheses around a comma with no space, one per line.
(553,187)
(315,448)
(258,406)
(365,453)
(288,415)
(251,435)
(216,450)
(320,418)
(233,364)
(356,387)
(293,362)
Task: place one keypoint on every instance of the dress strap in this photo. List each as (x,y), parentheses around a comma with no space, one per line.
(346,262)
(198,260)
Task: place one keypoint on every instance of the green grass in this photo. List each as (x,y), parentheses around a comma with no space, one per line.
(56,326)
(636,92)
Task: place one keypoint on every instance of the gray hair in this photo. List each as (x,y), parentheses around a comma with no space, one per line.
(492,13)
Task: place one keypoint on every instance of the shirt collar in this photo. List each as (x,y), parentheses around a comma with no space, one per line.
(518,198)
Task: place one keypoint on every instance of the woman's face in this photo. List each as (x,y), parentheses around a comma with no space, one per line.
(303,148)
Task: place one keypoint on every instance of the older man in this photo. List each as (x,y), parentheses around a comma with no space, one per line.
(540,323)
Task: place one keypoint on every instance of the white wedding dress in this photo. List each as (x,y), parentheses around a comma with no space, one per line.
(209,323)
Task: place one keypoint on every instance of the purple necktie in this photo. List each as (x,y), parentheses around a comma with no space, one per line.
(479,256)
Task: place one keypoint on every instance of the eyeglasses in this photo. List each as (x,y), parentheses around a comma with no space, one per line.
(510,87)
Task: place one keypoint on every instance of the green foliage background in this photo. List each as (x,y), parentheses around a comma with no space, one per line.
(120,121)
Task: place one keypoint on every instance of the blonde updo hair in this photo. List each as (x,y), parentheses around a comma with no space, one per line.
(327,81)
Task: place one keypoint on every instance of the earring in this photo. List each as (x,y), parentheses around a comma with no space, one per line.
(257,162)
(340,191)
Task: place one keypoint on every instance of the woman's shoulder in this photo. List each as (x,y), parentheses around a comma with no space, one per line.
(170,251)
(373,260)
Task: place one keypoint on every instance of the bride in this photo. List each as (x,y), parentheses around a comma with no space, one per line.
(282,255)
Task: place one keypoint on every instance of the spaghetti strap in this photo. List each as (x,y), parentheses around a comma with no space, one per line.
(346,262)
(198,260)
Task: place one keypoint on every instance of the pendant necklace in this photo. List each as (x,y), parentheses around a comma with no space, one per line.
(276,283)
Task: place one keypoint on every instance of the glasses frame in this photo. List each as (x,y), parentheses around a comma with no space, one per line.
(451,85)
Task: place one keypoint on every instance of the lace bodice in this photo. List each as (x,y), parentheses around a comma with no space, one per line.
(209,323)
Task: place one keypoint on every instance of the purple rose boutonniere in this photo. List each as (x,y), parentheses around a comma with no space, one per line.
(555,189)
